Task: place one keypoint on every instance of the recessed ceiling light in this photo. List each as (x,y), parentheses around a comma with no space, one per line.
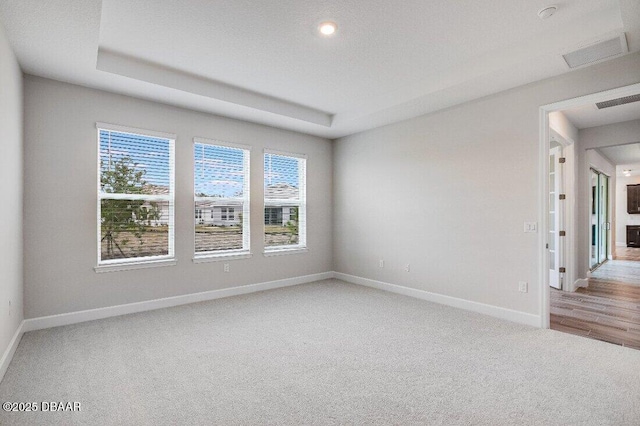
(328,28)
(546,12)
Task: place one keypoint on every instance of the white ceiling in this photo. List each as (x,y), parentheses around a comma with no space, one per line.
(589,115)
(622,154)
(265,62)
(634,169)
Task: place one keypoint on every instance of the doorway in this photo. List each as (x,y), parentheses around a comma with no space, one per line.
(602,300)
(581,242)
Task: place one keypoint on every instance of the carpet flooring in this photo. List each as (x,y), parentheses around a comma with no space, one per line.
(320,354)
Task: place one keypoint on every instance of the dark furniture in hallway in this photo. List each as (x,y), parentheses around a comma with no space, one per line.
(633,236)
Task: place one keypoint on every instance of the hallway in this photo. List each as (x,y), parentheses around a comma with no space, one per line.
(609,309)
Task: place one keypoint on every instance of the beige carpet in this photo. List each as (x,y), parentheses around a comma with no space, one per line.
(316,354)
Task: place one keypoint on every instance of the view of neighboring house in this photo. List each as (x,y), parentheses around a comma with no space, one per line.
(210,213)
(216,215)
(279,215)
(213,214)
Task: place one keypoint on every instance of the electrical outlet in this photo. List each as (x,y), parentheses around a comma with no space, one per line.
(407,267)
(523,287)
(531,227)
(10,309)
(381,263)
(226,267)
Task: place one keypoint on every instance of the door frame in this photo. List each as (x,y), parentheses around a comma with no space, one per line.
(543,186)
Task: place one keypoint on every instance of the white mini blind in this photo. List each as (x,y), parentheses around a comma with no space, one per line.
(221,194)
(285,206)
(135,196)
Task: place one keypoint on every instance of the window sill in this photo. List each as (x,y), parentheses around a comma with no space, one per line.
(219,257)
(283,251)
(115,267)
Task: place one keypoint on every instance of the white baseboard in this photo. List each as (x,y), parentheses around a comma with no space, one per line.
(39,323)
(619,244)
(7,356)
(580,282)
(112,311)
(494,311)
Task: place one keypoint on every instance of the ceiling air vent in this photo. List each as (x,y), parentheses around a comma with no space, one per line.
(619,101)
(597,52)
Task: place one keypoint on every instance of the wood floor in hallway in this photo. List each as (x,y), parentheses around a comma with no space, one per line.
(627,253)
(609,309)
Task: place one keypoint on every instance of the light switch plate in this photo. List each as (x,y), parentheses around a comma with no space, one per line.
(531,227)
(523,287)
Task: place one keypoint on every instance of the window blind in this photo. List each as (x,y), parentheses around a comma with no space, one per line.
(136,197)
(221,193)
(285,210)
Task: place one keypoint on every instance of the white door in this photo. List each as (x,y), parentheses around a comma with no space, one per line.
(554,241)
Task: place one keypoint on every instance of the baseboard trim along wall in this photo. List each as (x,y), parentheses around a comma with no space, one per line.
(40,323)
(7,356)
(580,282)
(167,302)
(50,321)
(482,308)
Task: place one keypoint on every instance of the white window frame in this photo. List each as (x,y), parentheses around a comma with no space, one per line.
(301,203)
(244,201)
(111,265)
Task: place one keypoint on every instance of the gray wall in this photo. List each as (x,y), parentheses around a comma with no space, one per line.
(11,165)
(60,201)
(610,135)
(467,178)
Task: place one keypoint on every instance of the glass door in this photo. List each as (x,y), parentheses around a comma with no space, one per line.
(594,204)
(603,220)
(599,206)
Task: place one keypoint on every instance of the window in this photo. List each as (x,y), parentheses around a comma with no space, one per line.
(227,213)
(272,216)
(135,196)
(221,185)
(285,209)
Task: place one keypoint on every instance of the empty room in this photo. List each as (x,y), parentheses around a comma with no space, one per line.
(319,212)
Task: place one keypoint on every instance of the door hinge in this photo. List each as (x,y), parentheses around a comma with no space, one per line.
(562,196)
(561,160)
(562,233)
(562,269)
